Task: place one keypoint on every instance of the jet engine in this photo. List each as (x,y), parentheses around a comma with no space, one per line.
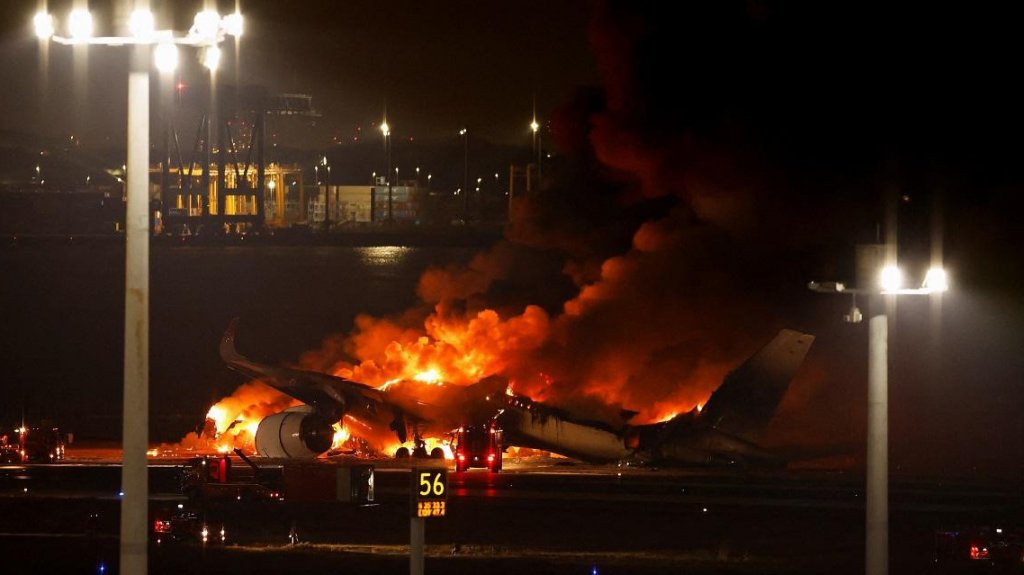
(294,433)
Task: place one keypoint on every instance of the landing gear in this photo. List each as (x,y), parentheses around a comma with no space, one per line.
(420,449)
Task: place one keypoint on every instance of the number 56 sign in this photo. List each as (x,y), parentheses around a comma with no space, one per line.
(429,492)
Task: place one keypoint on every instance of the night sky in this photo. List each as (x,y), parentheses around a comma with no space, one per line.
(758,141)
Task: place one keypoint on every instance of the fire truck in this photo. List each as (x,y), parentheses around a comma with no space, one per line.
(187,524)
(992,548)
(40,444)
(212,478)
(478,446)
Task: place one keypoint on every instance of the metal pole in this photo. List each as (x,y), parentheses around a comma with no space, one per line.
(540,155)
(327,199)
(465,177)
(135,432)
(876,556)
(417,527)
(222,185)
(387,146)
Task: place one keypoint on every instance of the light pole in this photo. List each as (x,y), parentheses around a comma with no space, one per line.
(208,30)
(327,189)
(890,284)
(465,173)
(386,130)
(535,128)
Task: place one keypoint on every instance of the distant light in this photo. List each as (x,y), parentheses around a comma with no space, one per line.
(891,278)
(206,25)
(80,24)
(534,126)
(462,132)
(385,128)
(271,185)
(936,280)
(495,175)
(43,23)
(234,25)
(141,24)
(211,58)
(165,56)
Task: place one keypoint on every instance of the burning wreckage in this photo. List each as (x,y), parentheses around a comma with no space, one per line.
(324,408)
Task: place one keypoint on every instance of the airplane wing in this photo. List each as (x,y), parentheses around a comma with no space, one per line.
(330,396)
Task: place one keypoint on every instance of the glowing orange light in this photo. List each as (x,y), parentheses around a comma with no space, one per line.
(431,376)
(341,435)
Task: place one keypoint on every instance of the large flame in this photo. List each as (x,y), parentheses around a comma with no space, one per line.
(450,350)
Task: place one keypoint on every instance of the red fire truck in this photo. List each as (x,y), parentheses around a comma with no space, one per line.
(478,446)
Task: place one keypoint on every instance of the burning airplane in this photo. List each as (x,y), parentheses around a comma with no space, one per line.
(724,430)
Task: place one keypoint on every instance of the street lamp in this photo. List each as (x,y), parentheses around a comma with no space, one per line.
(208,30)
(386,130)
(535,128)
(465,172)
(889,283)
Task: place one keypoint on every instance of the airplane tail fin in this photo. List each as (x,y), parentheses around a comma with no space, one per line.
(227,343)
(232,358)
(746,401)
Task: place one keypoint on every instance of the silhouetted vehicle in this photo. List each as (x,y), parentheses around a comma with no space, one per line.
(9,452)
(42,444)
(187,525)
(478,446)
(980,549)
(207,478)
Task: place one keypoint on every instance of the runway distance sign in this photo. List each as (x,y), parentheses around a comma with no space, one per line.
(429,492)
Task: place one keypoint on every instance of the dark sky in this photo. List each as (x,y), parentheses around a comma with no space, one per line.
(436,66)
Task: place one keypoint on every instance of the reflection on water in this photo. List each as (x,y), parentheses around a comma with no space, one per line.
(382,255)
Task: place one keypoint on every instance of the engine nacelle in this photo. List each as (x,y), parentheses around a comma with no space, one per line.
(294,433)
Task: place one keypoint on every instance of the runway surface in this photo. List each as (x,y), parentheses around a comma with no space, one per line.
(539,515)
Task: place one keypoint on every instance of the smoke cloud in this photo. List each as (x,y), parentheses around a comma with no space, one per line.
(636,251)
